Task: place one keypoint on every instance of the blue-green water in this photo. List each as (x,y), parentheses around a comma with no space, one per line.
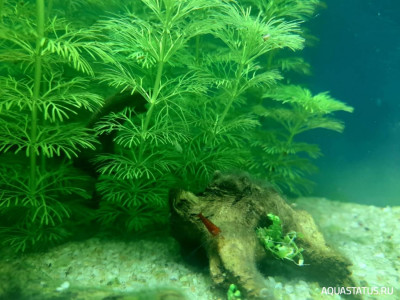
(358,60)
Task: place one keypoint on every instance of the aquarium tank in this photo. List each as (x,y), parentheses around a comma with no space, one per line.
(199,149)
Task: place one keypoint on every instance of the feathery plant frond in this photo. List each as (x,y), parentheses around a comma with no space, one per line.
(46,207)
(35,104)
(23,237)
(147,48)
(132,219)
(63,44)
(200,161)
(293,9)
(130,192)
(224,74)
(155,164)
(283,164)
(247,40)
(249,37)
(307,111)
(69,47)
(321,103)
(299,111)
(296,64)
(158,36)
(58,102)
(231,132)
(15,93)
(67,139)
(33,220)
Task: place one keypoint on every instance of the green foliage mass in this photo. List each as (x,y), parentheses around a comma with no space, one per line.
(212,74)
(233,293)
(279,245)
(40,195)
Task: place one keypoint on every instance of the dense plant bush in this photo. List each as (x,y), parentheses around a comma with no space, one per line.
(215,79)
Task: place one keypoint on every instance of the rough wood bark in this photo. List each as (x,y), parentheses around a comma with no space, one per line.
(238,206)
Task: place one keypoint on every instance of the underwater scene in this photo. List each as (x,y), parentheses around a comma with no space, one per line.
(199,149)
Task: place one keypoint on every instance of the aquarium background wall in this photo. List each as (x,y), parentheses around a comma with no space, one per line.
(357,58)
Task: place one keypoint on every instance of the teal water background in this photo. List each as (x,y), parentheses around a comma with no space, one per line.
(357,59)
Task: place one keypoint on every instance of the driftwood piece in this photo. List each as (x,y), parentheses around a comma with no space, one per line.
(238,206)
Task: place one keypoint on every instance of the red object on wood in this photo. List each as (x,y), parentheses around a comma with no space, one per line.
(212,228)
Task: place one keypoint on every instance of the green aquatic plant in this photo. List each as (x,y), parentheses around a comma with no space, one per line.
(194,123)
(233,293)
(288,9)
(290,110)
(149,48)
(279,245)
(287,110)
(212,74)
(44,61)
(209,72)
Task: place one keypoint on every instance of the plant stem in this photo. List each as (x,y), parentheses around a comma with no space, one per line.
(197,55)
(49,9)
(153,100)
(157,83)
(1,10)
(36,94)
(271,57)
(233,94)
(154,97)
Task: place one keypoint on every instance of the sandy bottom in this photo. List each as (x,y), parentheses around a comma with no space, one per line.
(153,269)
